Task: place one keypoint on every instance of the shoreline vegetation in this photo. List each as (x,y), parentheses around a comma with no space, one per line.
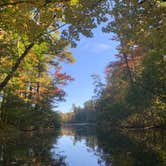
(115,127)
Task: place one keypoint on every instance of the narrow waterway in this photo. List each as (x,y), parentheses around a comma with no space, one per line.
(84,146)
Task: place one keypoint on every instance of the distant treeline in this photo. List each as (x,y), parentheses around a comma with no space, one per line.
(80,115)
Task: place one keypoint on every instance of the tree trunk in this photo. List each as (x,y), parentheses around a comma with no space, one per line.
(127,64)
(15,67)
(2,108)
(38,87)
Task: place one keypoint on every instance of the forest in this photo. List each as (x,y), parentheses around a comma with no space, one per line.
(35,39)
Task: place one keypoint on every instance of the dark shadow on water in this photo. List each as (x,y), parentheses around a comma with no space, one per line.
(30,149)
(128,148)
(74,145)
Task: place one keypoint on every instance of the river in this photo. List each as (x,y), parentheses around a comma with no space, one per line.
(84,146)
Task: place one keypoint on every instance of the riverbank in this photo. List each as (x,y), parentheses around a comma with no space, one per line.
(8,133)
(109,128)
(129,128)
(7,129)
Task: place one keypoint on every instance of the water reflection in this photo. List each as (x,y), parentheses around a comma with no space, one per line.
(84,146)
(132,148)
(29,149)
(79,145)
(114,148)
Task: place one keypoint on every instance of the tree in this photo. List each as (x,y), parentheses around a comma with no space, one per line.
(40,20)
(134,93)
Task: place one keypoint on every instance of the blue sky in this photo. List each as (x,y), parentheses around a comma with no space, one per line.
(92,55)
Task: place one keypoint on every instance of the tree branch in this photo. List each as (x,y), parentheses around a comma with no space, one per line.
(21,58)
(16,3)
(27,1)
(15,67)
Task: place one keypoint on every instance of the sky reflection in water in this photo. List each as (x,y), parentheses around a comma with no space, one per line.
(77,152)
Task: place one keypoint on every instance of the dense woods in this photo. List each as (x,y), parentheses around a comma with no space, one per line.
(135,92)
(35,38)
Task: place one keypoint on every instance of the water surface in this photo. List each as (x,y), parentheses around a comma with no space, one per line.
(84,146)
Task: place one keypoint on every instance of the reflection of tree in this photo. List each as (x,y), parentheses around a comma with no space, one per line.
(122,148)
(152,140)
(80,133)
(119,149)
(34,149)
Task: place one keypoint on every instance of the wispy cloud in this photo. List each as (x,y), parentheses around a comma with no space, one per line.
(95,47)
(102,47)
